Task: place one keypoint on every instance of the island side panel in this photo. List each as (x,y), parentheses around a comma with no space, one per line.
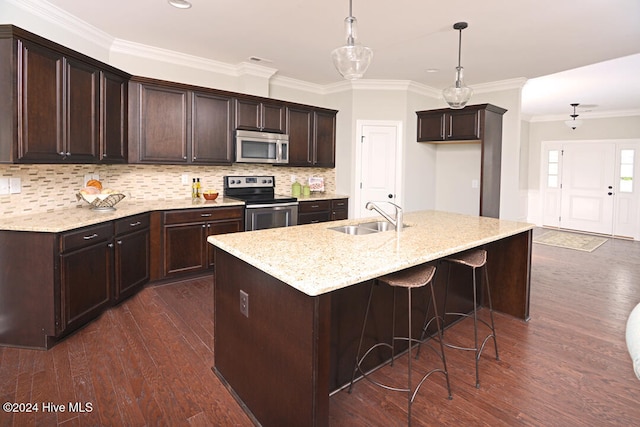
(276,360)
(509,267)
(27,289)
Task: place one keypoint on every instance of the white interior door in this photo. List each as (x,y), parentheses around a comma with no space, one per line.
(378,169)
(587,183)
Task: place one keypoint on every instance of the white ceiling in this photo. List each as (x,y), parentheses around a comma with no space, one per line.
(585,51)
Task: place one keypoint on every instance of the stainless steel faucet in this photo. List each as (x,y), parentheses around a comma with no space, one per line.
(397,222)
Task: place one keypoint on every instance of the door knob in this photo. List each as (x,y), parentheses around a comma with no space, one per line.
(610,187)
(390,196)
(610,193)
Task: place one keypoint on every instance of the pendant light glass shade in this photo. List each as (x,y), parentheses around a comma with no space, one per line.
(352,59)
(459,94)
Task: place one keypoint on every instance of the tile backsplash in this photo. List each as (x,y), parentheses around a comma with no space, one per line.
(46,188)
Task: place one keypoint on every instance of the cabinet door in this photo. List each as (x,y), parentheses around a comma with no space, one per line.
(463,125)
(131,263)
(300,130)
(163,125)
(83,82)
(221,227)
(273,117)
(85,284)
(40,108)
(113,138)
(247,114)
(431,126)
(184,250)
(212,129)
(324,139)
(259,116)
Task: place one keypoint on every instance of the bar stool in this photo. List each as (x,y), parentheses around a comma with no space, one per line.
(410,278)
(475,259)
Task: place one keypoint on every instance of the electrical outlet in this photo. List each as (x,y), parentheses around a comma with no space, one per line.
(244,303)
(184,179)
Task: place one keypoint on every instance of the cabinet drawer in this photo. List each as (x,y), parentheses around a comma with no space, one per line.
(198,215)
(315,206)
(132,223)
(339,203)
(86,236)
(314,217)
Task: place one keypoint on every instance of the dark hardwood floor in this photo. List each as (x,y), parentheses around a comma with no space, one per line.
(148,361)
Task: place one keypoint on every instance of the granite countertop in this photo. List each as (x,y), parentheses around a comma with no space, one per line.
(75,217)
(315,260)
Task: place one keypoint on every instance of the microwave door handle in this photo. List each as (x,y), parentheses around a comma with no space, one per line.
(279,151)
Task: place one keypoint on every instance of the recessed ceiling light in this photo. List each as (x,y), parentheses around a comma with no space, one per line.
(432,70)
(180,4)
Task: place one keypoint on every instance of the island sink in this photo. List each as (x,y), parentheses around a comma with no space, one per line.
(365,228)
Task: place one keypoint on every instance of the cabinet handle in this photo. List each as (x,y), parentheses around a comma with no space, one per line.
(110,245)
(61,153)
(315,206)
(206,215)
(93,236)
(104,155)
(194,158)
(119,242)
(184,157)
(68,153)
(315,221)
(135,224)
(204,226)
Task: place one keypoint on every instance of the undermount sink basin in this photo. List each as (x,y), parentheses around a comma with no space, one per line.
(378,225)
(365,228)
(353,229)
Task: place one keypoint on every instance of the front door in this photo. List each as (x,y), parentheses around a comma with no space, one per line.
(589,186)
(587,183)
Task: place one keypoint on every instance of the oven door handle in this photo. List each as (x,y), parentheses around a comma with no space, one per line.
(272,205)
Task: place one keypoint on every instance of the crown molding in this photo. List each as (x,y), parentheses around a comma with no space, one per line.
(48,12)
(510,84)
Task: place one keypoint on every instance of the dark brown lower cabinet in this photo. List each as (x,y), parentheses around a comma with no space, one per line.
(131,255)
(313,211)
(86,275)
(51,284)
(185,233)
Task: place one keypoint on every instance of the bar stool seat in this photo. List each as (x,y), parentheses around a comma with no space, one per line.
(414,277)
(475,259)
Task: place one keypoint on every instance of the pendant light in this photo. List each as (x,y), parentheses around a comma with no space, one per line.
(458,95)
(573,123)
(353,59)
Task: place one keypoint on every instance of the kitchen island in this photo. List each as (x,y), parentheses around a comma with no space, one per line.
(289,302)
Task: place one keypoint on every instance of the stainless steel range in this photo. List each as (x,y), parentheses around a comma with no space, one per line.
(263,208)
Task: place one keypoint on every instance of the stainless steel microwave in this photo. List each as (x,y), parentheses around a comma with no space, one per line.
(261,147)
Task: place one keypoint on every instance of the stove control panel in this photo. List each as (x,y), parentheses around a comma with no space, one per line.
(249,181)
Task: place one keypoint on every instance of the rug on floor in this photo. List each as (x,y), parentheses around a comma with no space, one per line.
(563,239)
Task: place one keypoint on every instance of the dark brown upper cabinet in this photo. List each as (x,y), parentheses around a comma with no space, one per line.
(212,128)
(158,124)
(57,106)
(473,124)
(312,135)
(259,115)
(177,124)
(113,119)
(449,125)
